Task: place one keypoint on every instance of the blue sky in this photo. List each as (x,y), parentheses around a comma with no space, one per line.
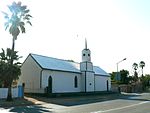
(137,10)
(114,29)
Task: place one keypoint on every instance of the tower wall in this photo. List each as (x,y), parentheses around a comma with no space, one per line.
(87,81)
(86,55)
(90,84)
(86,67)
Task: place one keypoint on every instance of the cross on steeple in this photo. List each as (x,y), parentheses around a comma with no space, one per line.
(85,43)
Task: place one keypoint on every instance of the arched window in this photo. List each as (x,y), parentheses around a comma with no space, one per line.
(107,85)
(75,82)
(50,84)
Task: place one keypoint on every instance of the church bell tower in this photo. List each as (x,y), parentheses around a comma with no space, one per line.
(86,54)
(86,68)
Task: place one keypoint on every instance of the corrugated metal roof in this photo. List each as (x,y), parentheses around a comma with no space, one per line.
(99,71)
(63,65)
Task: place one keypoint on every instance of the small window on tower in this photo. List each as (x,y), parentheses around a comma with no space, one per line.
(88,54)
(83,54)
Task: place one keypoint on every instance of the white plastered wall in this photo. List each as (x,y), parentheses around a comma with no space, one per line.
(30,75)
(61,81)
(89,81)
(101,83)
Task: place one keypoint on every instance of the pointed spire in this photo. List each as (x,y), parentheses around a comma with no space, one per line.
(85,43)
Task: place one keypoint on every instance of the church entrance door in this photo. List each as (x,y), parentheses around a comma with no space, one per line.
(107,86)
(50,84)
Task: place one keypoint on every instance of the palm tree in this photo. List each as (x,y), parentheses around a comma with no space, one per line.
(135,67)
(16,24)
(16,21)
(6,68)
(142,64)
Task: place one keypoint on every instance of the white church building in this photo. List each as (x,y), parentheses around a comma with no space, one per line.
(61,76)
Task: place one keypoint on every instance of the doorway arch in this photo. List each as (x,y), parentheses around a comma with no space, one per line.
(107,85)
(50,84)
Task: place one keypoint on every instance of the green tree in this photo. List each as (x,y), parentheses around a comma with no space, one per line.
(0,83)
(9,72)
(124,76)
(142,65)
(113,76)
(16,24)
(147,80)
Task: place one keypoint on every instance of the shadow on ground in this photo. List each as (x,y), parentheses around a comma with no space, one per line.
(79,100)
(14,103)
(22,105)
(25,106)
(30,109)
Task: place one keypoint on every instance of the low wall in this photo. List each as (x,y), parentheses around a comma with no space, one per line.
(131,88)
(16,92)
(114,87)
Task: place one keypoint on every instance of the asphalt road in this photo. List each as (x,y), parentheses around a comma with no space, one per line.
(114,106)
(130,103)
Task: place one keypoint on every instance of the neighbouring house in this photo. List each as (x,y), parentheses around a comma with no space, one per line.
(61,76)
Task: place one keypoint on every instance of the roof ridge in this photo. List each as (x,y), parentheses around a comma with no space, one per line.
(54,58)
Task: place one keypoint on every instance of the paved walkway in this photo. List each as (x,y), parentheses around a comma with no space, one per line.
(57,102)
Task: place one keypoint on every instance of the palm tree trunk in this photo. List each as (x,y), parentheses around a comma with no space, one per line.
(12,50)
(143,86)
(142,72)
(9,95)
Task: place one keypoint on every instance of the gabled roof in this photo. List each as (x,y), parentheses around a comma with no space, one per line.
(55,64)
(63,65)
(99,71)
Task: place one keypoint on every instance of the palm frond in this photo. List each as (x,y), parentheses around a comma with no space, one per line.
(29,23)
(2,55)
(17,63)
(8,54)
(20,16)
(26,11)
(29,16)
(22,28)
(21,23)
(4,13)
(14,30)
(10,8)
(19,3)
(6,16)
(23,8)
(10,29)
(6,24)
